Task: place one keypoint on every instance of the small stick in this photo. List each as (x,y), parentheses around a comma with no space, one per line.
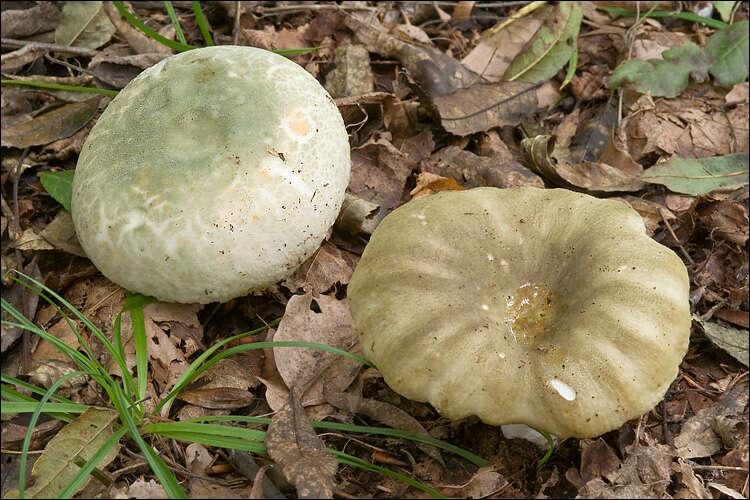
(684,252)
(79,51)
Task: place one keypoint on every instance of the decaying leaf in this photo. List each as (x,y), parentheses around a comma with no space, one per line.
(732,340)
(57,124)
(352,74)
(482,484)
(357,215)
(62,235)
(327,266)
(483,106)
(292,443)
(81,438)
(470,170)
(302,367)
(697,438)
(503,42)
(615,171)
(84,24)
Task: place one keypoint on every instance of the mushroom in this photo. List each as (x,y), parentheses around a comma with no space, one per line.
(213,173)
(543,307)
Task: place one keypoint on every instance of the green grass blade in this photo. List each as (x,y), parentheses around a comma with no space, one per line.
(218,441)
(163,474)
(202,24)
(384,431)
(31,387)
(32,423)
(210,429)
(60,86)
(31,406)
(181,47)
(175,22)
(141,350)
(685,16)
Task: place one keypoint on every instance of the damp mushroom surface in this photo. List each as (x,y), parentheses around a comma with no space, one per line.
(542,307)
(213,173)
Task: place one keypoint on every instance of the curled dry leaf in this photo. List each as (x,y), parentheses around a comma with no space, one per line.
(292,443)
(357,215)
(352,75)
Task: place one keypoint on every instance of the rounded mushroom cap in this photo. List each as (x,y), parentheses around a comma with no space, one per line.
(213,173)
(544,307)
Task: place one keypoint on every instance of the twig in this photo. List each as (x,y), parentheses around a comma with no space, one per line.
(718,467)
(236,29)
(80,51)
(684,252)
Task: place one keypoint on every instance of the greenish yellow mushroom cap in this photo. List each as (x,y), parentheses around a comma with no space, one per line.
(542,307)
(213,173)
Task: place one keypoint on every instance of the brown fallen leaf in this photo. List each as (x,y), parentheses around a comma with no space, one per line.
(327,266)
(697,438)
(482,484)
(483,106)
(470,170)
(357,215)
(498,47)
(292,443)
(218,398)
(51,126)
(303,367)
(352,74)
(592,177)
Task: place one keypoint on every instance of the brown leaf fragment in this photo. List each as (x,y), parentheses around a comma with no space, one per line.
(22,23)
(357,215)
(138,41)
(483,483)
(726,220)
(598,460)
(352,74)
(691,482)
(739,318)
(13,61)
(494,53)
(697,438)
(62,235)
(590,143)
(431,72)
(333,325)
(49,127)
(470,170)
(483,106)
(382,412)
(292,443)
(219,398)
(379,173)
(327,266)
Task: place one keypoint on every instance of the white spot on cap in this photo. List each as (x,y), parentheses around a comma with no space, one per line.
(501,355)
(563,389)
(420,217)
(490,257)
(485,307)
(503,262)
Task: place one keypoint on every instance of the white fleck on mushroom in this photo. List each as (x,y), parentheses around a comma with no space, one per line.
(213,173)
(582,348)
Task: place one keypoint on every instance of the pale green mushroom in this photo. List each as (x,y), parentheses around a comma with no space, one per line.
(542,307)
(213,173)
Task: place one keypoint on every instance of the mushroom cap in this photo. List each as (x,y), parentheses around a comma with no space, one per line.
(531,306)
(213,173)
